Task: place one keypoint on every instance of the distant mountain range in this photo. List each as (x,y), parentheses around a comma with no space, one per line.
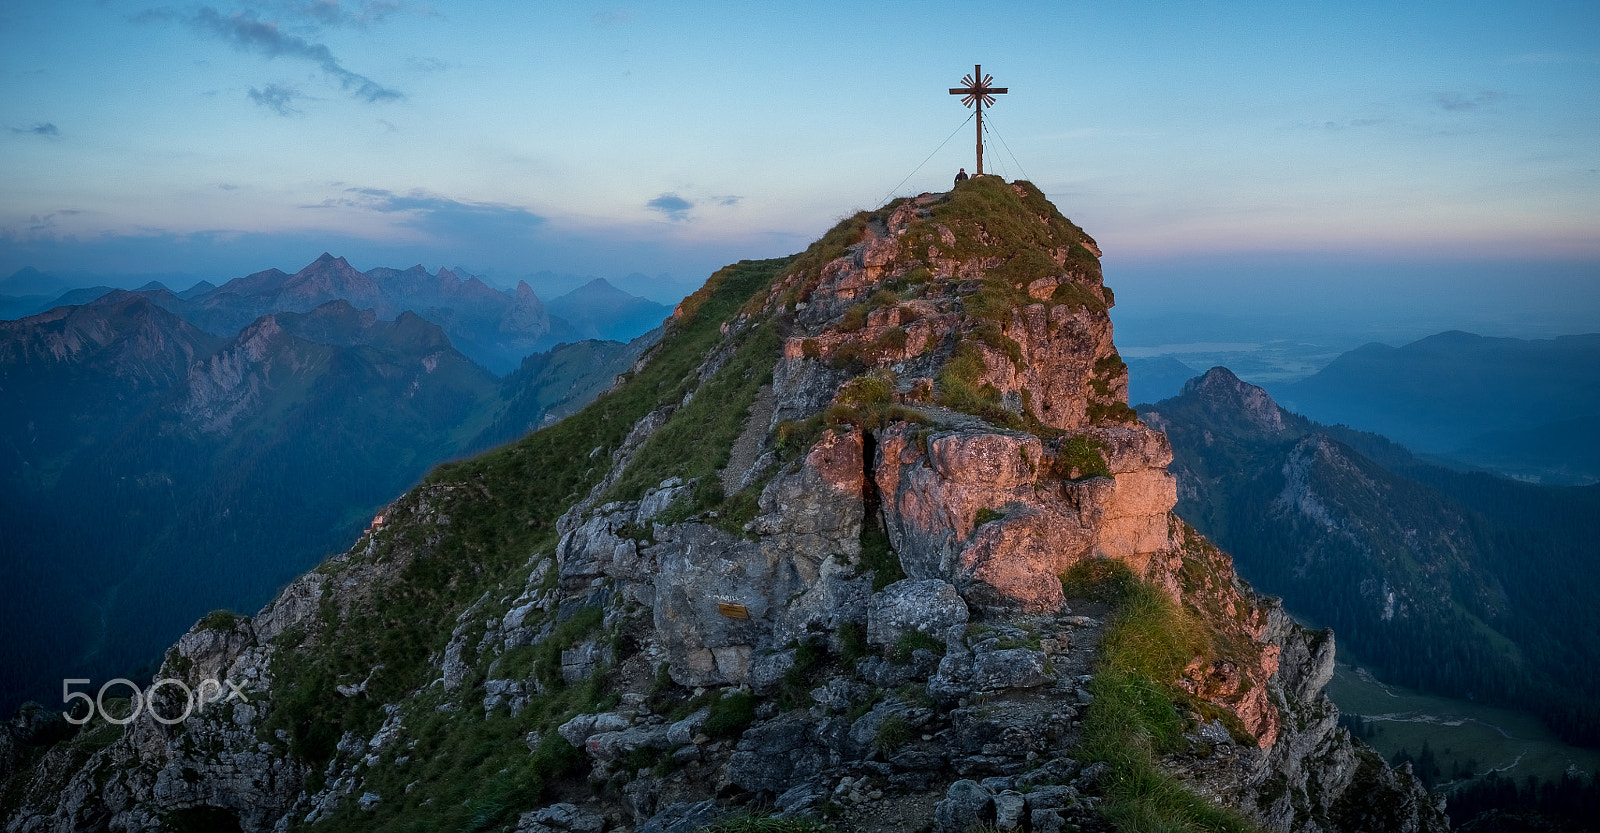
(162,455)
(1463,583)
(1526,408)
(1157,377)
(495,328)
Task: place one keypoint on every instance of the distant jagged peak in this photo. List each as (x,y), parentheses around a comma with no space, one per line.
(327,264)
(525,293)
(200,288)
(327,258)
(598,288)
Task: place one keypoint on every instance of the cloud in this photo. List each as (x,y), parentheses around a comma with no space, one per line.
(277,98)
(676,208)
(427,65)
(1549,58)
(228,186)
(369,13)
(40,129)
(1106,133)
(1456,102)
(44,226)
(250,34)
(728,200)
(1350,123)
(442,218)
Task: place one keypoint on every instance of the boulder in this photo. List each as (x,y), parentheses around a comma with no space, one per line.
(927,606)
(773,756)
(1009,668)
(966,805)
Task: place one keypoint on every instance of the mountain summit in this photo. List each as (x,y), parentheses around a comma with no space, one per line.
(870,535)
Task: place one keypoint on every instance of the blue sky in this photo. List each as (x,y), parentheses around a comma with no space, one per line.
(215,139)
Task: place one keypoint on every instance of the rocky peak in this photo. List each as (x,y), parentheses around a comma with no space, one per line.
(1221,392)
(329,277)
(986,296)
(809,551)
(526,314)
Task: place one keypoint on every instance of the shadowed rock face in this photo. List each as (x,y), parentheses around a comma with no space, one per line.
(946,403)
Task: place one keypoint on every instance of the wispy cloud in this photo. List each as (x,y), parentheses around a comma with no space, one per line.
(675,208)
(40,129)
(1549,58)
(316,12)
(249,33)
(44,225)
(1106,133)
(441,217)
(427,65)
(277,98)
(1348,124)
(1456,102)
(727,200)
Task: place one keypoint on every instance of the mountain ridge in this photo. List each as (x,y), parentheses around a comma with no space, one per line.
(495,327)
(190,451)
(873,611)
(1443,394)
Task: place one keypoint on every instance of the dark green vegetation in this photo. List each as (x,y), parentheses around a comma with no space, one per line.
(160,472)
(1081,457)
(1466,739)
(503,506)
(696,441)
(1522,407)
(1133,719)
(1462,584)
(1469,750)
(1569,804)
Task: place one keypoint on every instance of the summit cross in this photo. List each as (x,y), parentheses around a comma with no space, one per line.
(978,93)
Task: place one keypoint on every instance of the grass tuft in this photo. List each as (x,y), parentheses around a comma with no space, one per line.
(1133,718)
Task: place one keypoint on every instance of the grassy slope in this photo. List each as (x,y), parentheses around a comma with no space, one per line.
(476,771)
(1132,719)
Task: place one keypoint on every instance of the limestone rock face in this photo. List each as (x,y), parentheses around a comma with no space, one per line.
(1035,525)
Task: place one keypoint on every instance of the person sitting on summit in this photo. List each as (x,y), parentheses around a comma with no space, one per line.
(961,176)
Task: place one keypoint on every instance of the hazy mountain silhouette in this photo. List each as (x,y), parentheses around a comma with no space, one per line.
(151,471)
(1494,402)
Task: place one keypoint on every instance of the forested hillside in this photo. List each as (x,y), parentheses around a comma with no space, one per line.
(1465,584)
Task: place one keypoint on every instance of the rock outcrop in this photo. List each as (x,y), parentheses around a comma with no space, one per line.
(865,622)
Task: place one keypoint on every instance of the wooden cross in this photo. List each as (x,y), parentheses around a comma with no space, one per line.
(978,92)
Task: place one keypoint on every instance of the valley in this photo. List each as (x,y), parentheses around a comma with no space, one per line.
(152,470)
